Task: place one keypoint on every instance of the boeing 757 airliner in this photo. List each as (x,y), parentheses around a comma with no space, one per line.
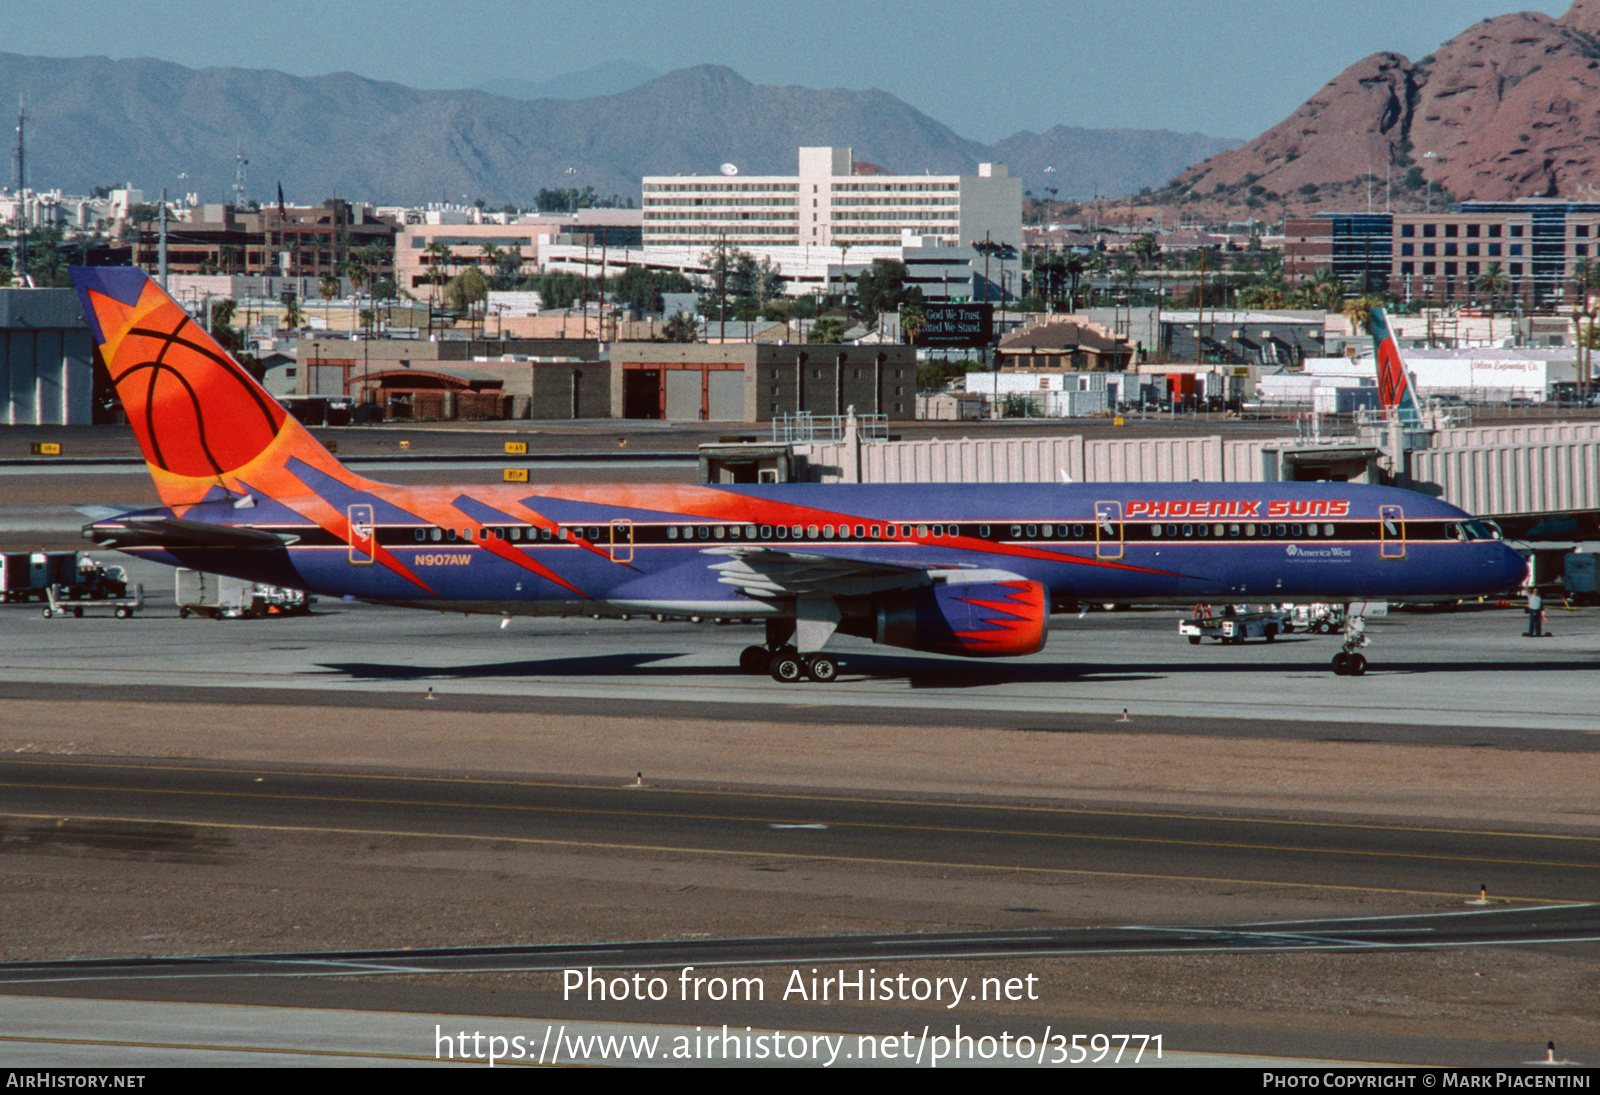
(964,569)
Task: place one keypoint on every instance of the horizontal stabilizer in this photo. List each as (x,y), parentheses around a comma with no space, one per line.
(126,532)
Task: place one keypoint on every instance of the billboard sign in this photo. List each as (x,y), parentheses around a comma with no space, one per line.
(957,325)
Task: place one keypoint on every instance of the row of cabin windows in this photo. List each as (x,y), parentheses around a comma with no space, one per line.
(1049,531)
(1291,531)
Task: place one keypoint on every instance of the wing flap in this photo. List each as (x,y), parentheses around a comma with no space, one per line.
(771,572)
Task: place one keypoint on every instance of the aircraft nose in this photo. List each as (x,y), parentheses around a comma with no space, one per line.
(1512,567)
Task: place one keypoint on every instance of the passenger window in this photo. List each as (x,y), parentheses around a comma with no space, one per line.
(766,532)
(1155,530)
(1327,530)
(721,532)
(422,534)
(922,530)
(1077,531)
(1282,531)
(749,532)
(1016,532)
(783,532)
(1188,530)
(544,534)
(875,531)
(705,532)
(1233,530)
(1249,530)
(1033,531)
(672,532)
(811,532)
(827,532)
(1294,530)
(1172,530)
(450,534)
(861,531)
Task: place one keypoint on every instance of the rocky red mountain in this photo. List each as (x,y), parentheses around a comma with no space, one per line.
(1510,108)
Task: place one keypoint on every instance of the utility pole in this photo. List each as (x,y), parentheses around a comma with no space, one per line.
(162,262)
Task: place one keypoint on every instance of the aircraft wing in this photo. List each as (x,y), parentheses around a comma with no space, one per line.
(770,572)
(152,531)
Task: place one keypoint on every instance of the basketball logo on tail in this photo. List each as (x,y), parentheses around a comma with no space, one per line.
(1394,383)
(202,421)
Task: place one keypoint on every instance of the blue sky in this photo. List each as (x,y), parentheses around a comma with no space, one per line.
(1228,68)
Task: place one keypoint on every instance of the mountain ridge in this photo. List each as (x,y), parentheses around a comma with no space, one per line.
(96,121)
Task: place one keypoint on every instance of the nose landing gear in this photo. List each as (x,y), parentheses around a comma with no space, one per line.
(1347,663)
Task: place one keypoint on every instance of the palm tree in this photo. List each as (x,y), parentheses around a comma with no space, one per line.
(1358,310)
(1326,291)
(329,290)
(440,259)
(912,321)
(1493,281)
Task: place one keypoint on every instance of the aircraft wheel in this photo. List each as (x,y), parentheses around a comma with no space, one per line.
(183,613)
(1358,666)
(755,659)
(1194,640)
(48,613)
(786,666)
(822,669)
(1341,664)
(124,613)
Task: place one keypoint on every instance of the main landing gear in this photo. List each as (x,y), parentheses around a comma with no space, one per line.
(1347,663)
(782,658)
(787,665)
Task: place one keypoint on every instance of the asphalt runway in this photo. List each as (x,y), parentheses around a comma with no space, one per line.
(194,809)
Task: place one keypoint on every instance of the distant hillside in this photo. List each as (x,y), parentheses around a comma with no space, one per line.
(609,78)
(94,121)
(1508,107)
(1108,162)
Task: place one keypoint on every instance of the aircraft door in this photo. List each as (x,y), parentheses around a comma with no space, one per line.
(363,537)
(1391,532)
(622,541)
(1108,530)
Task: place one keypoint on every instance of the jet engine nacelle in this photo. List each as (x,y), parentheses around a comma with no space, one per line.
(974,619)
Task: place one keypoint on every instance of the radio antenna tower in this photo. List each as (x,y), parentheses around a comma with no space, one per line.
(19,252)
(238,179)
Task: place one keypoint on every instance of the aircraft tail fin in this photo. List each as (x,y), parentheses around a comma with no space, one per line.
(203,422)
(1395,393)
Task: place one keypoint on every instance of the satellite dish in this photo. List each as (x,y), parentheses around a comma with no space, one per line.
(729,169)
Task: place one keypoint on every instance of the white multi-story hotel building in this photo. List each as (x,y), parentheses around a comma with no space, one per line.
(831,203)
